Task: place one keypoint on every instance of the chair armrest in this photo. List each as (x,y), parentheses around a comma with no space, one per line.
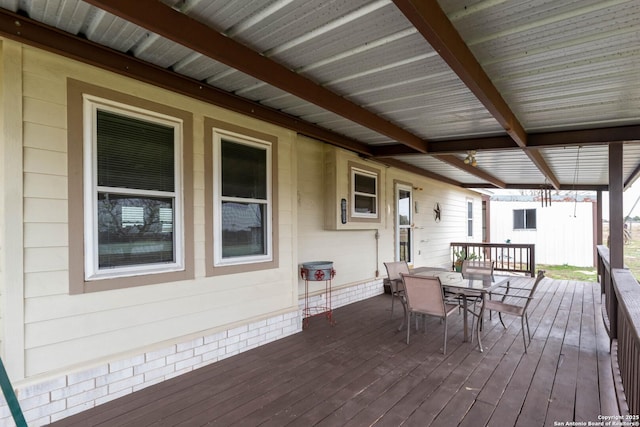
(512,295)
(512,287)
(469,293)
(453,301)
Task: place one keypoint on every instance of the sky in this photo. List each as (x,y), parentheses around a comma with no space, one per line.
(629,199)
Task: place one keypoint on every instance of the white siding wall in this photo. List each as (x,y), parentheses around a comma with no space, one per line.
(560,237)
(62,331)
(355,253)
(11,208)
(432,239)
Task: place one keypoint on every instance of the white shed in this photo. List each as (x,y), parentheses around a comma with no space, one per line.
(562,230)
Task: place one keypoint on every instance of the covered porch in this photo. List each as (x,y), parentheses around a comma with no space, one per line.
(420,102)
(361,372)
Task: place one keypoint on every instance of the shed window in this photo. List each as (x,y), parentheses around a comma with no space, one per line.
(524,219)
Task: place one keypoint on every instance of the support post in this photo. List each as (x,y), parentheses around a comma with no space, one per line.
(616,220)
(597,226)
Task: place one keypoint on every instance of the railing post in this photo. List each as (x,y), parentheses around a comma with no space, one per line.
(612,302)
(600,272)
(625,291)
(532,261)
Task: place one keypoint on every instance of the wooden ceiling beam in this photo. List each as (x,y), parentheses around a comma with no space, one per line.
(585,136)
(536,157)
(595,136)
(431,21)
(419,171)
(449,146)
(563,187)
(463,145)
(163,20)
(391,150)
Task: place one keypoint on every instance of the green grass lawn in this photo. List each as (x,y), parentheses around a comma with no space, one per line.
(568,272)
(632,252)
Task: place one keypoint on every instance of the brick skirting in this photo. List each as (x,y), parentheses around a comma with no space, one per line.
(60,397)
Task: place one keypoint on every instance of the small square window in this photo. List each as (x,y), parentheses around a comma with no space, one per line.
(364,193)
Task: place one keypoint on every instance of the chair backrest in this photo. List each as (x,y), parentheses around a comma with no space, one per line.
(539,278)
(424,295)
(396,269)
(471,267)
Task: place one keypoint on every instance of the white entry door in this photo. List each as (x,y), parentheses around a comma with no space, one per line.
(404,219)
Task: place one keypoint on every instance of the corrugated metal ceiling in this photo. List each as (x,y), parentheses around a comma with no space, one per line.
(559,65)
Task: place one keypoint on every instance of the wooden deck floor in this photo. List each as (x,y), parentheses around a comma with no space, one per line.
(362,373)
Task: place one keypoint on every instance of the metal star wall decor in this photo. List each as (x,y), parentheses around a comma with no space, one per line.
(436,212)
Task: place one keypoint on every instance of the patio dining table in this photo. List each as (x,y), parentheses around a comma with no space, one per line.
(472,285)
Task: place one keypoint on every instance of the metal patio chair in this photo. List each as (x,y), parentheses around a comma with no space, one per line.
(519,310)
(424,296)
(472,268)
(395,270)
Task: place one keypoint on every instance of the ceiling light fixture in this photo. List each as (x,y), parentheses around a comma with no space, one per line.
(471,158)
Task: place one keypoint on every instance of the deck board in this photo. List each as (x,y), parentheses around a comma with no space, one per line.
(362,372)
(587,405)
(537,401)
(562,398)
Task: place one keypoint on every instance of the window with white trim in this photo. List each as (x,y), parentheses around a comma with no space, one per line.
(132,191)
(242,200)
(364,193)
